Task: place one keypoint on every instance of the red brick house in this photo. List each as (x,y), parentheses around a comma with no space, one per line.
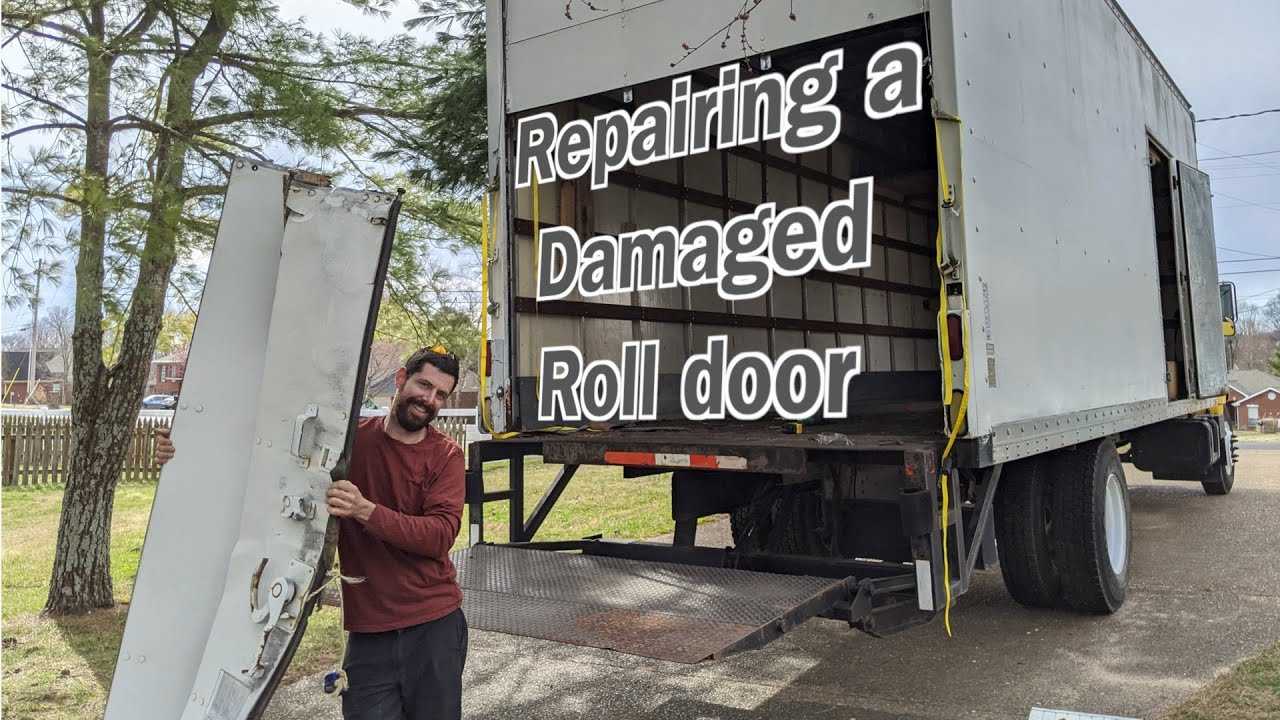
(165,375)
(1251,396)
(51,387)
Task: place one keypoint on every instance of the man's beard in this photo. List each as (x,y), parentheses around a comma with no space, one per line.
(406,419)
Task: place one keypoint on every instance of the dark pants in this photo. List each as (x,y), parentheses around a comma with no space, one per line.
(410,674)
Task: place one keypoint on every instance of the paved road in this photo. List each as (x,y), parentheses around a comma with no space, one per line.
(1205,593)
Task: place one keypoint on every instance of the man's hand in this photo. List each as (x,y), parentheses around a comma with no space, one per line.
(345,500)
(164,446)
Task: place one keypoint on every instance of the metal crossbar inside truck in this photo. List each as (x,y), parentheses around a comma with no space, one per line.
(1040,303)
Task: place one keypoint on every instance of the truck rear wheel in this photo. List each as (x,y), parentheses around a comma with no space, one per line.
(1091,533)
(1223,474)
(782,522)
(1220,480)
(1024,533)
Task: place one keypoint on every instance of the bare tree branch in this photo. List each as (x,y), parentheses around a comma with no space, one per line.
(42,126)
(46,194)
(44,101)
(34,20)
(355,111)
(36,33)
(203,190)
(138,28)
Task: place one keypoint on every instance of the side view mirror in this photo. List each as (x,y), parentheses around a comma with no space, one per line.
(1227,291)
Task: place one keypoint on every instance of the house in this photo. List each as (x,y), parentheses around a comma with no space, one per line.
(1251,396)
(51,386)
(165,375)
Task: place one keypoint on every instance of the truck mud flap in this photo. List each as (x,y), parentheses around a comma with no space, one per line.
(669,611)
(239,539)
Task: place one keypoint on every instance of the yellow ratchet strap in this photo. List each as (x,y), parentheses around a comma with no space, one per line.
(948,386)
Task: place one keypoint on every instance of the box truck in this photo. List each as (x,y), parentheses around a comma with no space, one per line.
(897,286)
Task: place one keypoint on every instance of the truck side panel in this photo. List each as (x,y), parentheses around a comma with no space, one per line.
(1056,105)
(551,57)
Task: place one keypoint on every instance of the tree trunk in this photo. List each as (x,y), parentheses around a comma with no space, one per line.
(81,577)
(105,408)
(82,563)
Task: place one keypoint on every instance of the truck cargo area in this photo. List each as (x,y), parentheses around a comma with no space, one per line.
(889,308)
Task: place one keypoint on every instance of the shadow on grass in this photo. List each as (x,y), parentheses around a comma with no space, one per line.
(95,637)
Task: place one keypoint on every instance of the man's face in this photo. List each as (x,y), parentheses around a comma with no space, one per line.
(420,396)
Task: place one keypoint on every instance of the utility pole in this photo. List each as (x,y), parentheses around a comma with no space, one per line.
(35,329)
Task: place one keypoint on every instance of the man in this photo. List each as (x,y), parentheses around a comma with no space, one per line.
(399,513)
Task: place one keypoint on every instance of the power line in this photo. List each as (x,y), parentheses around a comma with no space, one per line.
(1257,294)
(1272,208)
(1251,161)
(1239,115)
(1249,272)
(1241,155)
(1242,252)
(1257,259)
(1245,177)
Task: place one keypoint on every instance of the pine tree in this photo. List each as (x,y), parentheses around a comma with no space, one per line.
(134,110)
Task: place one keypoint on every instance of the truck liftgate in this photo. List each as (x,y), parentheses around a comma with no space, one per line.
(655,608)
(685,603)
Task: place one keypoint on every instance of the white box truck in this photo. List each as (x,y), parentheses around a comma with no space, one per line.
(976,228)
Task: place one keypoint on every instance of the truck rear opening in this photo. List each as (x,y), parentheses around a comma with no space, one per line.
(888,308)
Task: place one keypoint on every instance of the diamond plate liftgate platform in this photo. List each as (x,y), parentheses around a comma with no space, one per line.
(661,610)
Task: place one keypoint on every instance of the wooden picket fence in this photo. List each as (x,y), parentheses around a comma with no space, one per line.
(454,423)
(37,451)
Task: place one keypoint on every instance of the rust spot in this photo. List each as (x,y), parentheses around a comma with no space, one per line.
(657,634)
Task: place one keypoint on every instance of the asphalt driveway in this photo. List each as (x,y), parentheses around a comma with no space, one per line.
(1204,593)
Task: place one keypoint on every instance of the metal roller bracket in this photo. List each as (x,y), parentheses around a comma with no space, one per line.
(278,598)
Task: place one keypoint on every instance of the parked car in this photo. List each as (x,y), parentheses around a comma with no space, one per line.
(159,402)
(371,410)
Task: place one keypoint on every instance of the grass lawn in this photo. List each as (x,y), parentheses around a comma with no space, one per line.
(61,669)
(1251,691)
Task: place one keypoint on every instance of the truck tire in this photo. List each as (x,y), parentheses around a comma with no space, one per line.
(786,528)
(1223,474)
(1091,533)
(1024,533)
(760,526)
(1221,478)
(742,525)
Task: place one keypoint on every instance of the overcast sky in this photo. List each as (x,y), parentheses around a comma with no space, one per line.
(1224,56)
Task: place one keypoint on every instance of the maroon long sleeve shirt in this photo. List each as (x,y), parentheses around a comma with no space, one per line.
(402,551)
